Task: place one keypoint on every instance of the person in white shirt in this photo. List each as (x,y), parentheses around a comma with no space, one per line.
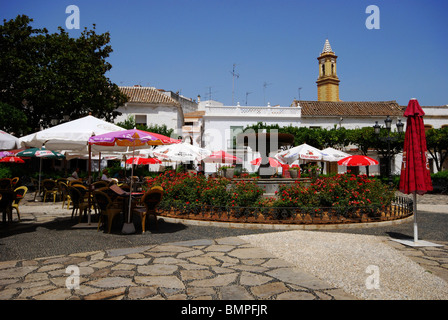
(75,174)
(104,176)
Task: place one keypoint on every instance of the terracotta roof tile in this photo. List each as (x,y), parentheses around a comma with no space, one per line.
(349,108)
(147,95)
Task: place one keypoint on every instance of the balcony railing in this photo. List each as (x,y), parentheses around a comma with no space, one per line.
(253,111)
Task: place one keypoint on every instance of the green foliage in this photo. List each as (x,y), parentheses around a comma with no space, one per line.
(342,190)
(12,120)
(441,175)
(245,193)
(192,189)
(47,76)
(364,138)
(162,129)
(5,172)
(437,144)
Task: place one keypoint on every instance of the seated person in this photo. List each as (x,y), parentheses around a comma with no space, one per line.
(105,177)
(75,174)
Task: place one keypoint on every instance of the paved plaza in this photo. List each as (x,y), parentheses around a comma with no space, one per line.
(47,257)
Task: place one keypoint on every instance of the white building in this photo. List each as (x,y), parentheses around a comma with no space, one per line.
(212,125)
(151,106)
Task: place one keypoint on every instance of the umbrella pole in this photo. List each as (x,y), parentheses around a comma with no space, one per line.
(40,172)
(415,218)
(129,227)
(89,184)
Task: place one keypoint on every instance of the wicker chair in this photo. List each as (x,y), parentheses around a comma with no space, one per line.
(20,194)
(107,207)
(150,199)
(65,195)
(50,187)
(79,203)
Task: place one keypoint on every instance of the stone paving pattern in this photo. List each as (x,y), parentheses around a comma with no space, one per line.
(221,269)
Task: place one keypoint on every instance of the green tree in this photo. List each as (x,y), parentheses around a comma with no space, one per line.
(12,120)
(364,138)
(437,144)
(129,123)
(47,76)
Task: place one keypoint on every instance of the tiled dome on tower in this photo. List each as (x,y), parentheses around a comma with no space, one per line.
(327,47)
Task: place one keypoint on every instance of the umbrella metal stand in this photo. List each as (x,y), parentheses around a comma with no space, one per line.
(128,226)
(415,242)
(40,170)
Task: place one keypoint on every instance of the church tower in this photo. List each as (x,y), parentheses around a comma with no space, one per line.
(328,81)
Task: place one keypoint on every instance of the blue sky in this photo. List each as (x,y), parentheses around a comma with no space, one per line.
(191,46)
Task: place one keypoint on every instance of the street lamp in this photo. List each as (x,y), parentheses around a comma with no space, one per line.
(388,139)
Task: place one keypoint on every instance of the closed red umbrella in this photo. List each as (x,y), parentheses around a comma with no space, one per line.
(415,176)
(357,160)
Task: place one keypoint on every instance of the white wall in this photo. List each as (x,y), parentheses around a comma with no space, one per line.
(155,115)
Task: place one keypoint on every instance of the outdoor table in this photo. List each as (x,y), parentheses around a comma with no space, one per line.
(124,195)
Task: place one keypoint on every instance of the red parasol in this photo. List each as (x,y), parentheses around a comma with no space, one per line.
(140,160)
(12,159)
(222,157)
(357,160)
(415,176)
(272,162)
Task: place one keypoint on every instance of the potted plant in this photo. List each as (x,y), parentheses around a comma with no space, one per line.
(294,172)
(228,171)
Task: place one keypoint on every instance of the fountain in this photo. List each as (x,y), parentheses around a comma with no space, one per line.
(265,143)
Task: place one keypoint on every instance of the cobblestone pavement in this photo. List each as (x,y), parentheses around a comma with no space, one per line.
(222,268)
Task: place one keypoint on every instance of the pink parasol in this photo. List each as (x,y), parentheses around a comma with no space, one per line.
(131,138)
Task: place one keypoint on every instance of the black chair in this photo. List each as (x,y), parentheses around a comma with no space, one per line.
(7,198)
(5,184)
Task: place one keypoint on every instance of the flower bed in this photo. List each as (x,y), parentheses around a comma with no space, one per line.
(344,198)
